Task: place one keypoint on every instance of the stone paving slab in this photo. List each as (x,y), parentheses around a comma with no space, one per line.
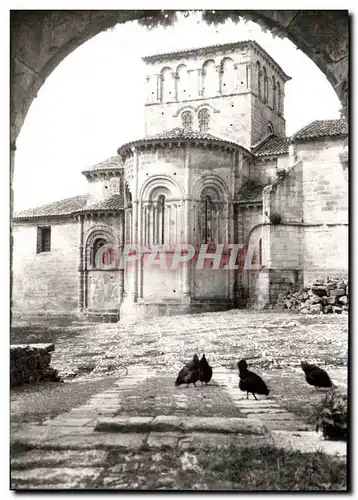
(217,441)
(162,440)
(287,425)
(124,424)
(58,458)
(63,477)
(165,423)
(308,441)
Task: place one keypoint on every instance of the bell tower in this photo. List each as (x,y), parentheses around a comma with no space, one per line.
(233,90)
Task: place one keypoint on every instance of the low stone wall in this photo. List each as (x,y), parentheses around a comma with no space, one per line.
(31,363)
(331,296)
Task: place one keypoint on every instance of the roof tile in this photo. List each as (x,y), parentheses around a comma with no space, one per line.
(322,128)
(177,134)
(71,206)
(114,202)
(61,207)
(251,193)
(112,163)
(272,146)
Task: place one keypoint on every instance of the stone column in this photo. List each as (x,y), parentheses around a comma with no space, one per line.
(186,298)
(248,76)
(135,227)
(219,72)
(121,271)
(81,266)
(12,163)
(140,241)
(200,82)
(231,240)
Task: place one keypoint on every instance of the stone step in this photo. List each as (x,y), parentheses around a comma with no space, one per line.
(173,423)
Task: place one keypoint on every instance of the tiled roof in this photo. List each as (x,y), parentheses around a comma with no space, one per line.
(62,207)
(114,202)
(272,146)
(322,128)
(71,206)
(112,163)
(251,193)
(210,48)
(180,134)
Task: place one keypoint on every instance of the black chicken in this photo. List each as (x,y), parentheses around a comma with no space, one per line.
(316,376)
(189,374)
(206,372)
(250,382)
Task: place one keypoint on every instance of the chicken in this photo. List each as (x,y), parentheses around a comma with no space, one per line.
(206,372)
(250,382)
(189,374)
(316,376)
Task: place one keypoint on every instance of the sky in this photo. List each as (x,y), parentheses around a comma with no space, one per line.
(94,101)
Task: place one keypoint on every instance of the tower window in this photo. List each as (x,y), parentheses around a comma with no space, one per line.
(43,239)
(265,85)
(270,128)
(279,103)
(273,93)
(258,69)
(204,118)
(187,119)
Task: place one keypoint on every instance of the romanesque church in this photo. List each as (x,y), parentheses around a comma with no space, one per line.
(215,168)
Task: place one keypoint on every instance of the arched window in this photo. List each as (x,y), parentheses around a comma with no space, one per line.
(265,85)
(258,74)
(270,129)
(208,220)
(182,82)
(279,104)
(166,87)
(161,220)
(228,76)
(108,256)
(209,79)
(187,119)
(208,217)
(273,93)
(204,119)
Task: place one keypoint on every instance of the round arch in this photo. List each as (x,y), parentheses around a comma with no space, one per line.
(216,184)
(160,185)
(40,40)
(98,232)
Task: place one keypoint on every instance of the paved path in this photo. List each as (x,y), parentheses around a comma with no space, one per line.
(118,440)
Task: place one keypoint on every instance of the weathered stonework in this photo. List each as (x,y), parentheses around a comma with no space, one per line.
(288,207)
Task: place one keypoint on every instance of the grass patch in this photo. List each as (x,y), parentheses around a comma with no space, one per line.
(271,469)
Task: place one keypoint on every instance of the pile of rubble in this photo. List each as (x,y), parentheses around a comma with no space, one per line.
(326,297)
(31,363)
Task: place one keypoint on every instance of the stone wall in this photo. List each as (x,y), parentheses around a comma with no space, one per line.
(286,197)
(325,208)
(46,283)
(261,116)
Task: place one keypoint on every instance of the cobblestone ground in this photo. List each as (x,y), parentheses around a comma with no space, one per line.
(60,448)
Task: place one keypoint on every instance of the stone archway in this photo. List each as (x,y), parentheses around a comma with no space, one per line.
(40,40)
